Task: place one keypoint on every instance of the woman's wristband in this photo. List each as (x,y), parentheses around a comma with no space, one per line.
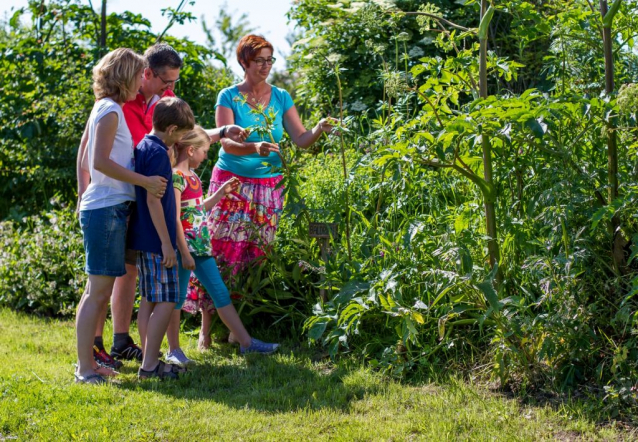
(222,132)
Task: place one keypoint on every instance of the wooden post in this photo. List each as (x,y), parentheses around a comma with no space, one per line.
(323,232)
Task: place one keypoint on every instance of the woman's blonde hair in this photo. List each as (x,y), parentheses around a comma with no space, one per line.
(197,138)
(115,74)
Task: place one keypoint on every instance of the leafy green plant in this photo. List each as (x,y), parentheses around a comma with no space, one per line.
(47,94)
(42,263)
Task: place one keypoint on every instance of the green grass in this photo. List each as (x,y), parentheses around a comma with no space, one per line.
(282,397)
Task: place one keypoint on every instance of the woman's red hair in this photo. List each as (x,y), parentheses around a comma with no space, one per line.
(248,48)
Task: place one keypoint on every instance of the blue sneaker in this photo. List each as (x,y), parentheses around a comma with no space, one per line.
(257,346)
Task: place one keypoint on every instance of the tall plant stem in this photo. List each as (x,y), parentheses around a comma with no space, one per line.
(405,59)
(490,207)
(103,29)
(343,163)
(612,148)
(281,157)
(171,21)
(612,144)
(262,113)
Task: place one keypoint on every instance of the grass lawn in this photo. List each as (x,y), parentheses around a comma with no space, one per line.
(226,397)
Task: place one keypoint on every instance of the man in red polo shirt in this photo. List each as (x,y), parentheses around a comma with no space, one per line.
(159,78)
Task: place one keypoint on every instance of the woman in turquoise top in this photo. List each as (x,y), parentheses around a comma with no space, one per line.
(243,224)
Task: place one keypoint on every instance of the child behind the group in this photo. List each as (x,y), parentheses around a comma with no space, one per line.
(194,244)
(153,230)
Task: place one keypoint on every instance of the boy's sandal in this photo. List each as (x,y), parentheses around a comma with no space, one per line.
(178,368)
(90,379)
(159,372)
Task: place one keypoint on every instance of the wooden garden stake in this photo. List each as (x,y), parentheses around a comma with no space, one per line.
(323,232)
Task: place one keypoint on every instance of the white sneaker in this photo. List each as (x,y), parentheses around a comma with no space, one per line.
(179,358)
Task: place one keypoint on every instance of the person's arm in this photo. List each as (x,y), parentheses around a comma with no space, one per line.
(229,186)
(81,165)
(187,260)
(104,138)
(232,131)
(301,136)
(224,116)
(169,258)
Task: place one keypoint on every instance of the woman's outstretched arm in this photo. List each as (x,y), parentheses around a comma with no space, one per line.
(301,136)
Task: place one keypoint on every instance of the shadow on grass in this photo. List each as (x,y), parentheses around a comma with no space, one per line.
(277,383)
(586,402)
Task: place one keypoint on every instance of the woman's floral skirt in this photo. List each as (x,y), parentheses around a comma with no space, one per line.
(242,224)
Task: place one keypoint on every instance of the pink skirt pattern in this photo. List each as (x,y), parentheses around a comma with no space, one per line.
(242,225)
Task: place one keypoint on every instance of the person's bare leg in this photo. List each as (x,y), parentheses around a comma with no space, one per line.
(157,323)
(143,316)
(172,332)
(99,330)
(123,300)
(204,332)
(96,297)
(101,318)
(229,316)
(232,339)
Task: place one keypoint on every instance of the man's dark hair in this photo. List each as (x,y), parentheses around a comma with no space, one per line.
(162,56)
(173,110)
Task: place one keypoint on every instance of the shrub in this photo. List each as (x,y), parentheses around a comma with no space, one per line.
(41,263)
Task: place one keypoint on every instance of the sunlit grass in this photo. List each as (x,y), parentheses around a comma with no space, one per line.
(283,397)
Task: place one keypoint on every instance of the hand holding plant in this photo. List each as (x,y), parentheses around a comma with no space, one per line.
(269,115)
(231,185)
(327,124)
(237,133)
(264,148)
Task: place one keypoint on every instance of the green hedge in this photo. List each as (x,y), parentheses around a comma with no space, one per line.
(41,263)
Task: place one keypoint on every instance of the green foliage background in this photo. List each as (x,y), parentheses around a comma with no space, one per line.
(416,294)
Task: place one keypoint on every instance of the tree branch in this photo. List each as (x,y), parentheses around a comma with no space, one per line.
(473,85)
(171,22)
(435,17)
(436,114)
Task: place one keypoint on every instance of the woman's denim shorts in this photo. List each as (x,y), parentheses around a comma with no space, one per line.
(104,232)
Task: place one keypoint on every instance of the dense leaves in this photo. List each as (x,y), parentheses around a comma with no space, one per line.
(415,290)
(419,291)
(46,88)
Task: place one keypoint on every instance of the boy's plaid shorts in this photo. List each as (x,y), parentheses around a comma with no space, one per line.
(157,283)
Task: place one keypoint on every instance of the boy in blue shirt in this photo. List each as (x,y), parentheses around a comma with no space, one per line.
(152,232)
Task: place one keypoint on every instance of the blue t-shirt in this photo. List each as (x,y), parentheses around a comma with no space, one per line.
(252,166)
(151,158)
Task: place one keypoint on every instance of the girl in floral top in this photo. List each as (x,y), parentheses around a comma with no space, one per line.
(194,245)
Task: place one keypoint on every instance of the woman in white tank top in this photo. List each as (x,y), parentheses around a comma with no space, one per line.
(105,204)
